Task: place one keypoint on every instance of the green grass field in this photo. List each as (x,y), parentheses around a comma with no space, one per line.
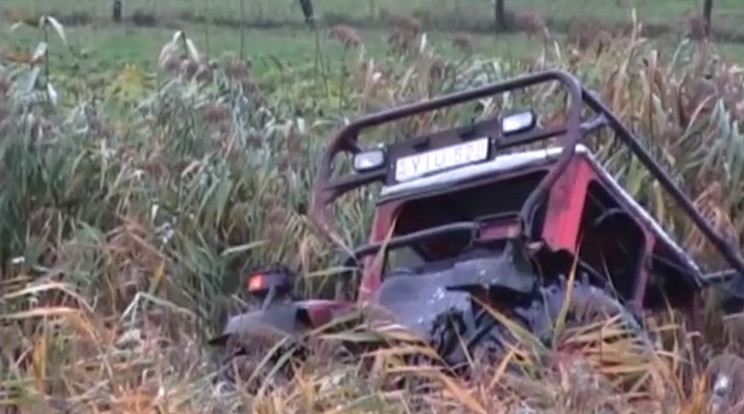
(289,41)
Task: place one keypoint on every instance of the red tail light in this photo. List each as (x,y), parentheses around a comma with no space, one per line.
(257,282)
(264,281)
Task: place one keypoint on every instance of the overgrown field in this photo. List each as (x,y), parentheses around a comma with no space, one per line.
(131,200)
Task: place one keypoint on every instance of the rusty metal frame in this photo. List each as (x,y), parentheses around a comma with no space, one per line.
(327,188)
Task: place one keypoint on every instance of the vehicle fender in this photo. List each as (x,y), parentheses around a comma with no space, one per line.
(280,320)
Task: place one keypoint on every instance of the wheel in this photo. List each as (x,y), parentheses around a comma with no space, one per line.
(588,305)
(595,325)
(460,336)
(489,341)
(598,332)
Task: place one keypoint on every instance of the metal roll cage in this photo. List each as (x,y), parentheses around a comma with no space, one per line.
(327,188)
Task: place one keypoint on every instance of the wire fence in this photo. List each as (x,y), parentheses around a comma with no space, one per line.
(459,14)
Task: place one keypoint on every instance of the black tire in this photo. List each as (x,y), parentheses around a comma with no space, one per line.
(601,332)
(490,341)
(589,304)
(460,337)
(450,331)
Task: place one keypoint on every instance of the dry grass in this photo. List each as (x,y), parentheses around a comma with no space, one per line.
(123,228)
(464,43)
(697,26)
(402,42)
(406,23)
(346,35)
(531,23)
(585,33)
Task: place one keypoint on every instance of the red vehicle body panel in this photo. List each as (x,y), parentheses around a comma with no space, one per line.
(562,222)
(322,311)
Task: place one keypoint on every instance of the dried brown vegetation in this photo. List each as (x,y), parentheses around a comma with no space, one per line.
(406,23)
(586,33)
(347,35)
(404,34)
(531,23)
(697,26)
(15,16)
(464,43)
(402,41)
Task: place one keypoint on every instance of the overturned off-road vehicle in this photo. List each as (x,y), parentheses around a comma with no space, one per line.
(464,223)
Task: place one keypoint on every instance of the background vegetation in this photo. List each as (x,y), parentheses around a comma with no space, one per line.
(141,170)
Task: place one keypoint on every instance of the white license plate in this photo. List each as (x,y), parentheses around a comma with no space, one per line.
(419,165)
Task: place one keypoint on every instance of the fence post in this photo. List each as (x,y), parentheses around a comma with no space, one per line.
(116,11)
(707,12)
(307,10)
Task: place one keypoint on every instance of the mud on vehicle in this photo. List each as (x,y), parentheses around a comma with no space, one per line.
(463,220)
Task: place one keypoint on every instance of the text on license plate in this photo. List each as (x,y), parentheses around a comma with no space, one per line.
(418,165)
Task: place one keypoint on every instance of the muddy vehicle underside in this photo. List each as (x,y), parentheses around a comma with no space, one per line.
(464,223)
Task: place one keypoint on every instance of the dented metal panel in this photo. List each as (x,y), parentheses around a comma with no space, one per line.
(415,300)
